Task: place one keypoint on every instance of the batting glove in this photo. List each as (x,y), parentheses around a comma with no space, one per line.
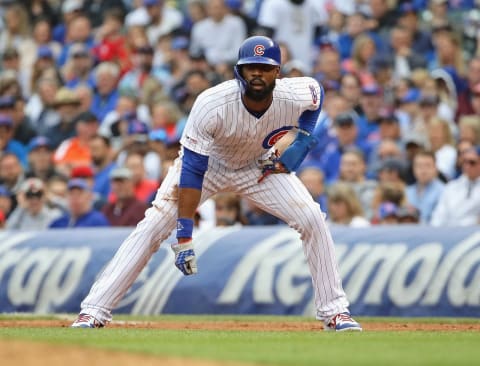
(185,259)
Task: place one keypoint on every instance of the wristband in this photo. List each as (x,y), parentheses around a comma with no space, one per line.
(184,228)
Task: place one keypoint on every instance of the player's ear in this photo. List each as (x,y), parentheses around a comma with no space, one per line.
(278,71)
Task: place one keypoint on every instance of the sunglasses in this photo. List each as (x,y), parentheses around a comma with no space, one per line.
(34,194)
(470,162)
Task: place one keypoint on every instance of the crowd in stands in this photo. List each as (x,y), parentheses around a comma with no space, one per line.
(94,96)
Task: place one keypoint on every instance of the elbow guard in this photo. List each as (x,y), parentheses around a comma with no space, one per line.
(293,156)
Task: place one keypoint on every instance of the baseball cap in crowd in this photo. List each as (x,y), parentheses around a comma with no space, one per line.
(412,96)
(429,100)
(145,49)
(407,7)
(408,214)
(234,4)
(9,53)
(7,101)
(38,142)
(344,119)
(86,117)
(414,139)
(371,89)
(120,173)
(70,6)
(78,183)
(158,135)
(137,127)
(82,171)
(44,52)
(151,2)
(33,187)
(388,117)
(387,209)
(5,120)
(380,62)
(295,64)
(4,192)
(392,164)
(65,96)
(78,50)
(180,43)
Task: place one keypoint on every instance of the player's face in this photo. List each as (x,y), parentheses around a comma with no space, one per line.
(260,80)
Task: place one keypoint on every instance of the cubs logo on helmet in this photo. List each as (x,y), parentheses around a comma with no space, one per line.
(259,50)
(273,137)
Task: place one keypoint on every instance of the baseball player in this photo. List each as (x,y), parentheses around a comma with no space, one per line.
(227,147)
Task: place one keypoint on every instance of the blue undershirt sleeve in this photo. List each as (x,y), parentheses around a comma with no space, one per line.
(194,166)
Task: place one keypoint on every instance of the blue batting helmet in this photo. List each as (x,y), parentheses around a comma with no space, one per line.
(257,50)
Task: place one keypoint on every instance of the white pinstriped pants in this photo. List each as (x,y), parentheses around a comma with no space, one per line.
(282,195)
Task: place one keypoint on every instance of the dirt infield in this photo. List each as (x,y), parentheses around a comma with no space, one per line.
(232,325)
(16,353)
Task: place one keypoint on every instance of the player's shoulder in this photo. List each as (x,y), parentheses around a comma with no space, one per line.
(303,89)
(299,82)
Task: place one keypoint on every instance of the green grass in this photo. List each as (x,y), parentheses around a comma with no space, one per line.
(273,348)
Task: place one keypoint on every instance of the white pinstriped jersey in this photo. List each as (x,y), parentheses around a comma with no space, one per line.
(220,126)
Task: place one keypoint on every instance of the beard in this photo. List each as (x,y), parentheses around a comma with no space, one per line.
(261,94)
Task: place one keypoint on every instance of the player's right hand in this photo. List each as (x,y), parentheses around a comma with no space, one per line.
(185,259)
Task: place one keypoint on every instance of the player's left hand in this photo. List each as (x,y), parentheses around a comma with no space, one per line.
(185,259)
(272,165)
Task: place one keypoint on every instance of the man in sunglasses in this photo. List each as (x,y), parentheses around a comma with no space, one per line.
(32,212)
(459,204)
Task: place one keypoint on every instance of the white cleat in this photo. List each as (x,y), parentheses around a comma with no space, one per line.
(343,322)
(86,321)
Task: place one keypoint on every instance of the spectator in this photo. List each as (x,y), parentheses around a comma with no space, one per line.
(475,99)
(469,129)
(473,79)
(258,217)
(6,202)
(11,172)
(292,22)
(351,89)
(344,207)
(387,214)
(7,143)
(66,103)
(353,172)
(228,210)
(421,39)
(371,103)
(346,132)
(101,154)
(459,204)
(106,93)
(75,151)
(442,144)
(392,170)
(40,106)
(80,211)
(405,59)
(78,67)
(425,193)
(163,19)
(86,173)
(126,210)
(32,212)
(111,44)
(143,186)
(57,192)
(13,107)
(229,31)
(363,50)
(327,67)
(40,159)
(313,178)
(408,215)
(387,192)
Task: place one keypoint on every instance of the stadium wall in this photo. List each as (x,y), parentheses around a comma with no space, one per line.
(387,271)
